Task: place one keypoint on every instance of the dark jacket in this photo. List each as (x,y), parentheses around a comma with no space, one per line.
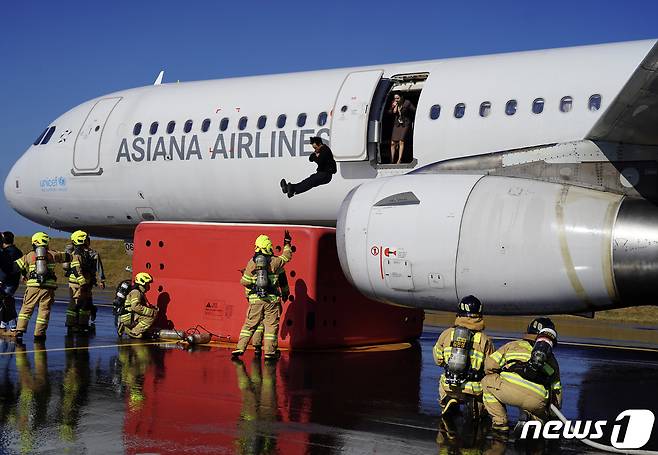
(406,115)
(325,160)
(8,275)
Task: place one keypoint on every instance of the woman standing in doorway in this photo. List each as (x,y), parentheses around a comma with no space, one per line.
(403,112)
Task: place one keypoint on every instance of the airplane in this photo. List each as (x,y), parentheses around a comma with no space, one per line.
(529,178)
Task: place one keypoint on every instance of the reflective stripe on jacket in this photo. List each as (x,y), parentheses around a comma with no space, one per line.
(276,265)
(28,268)
(481,347)
(520,351)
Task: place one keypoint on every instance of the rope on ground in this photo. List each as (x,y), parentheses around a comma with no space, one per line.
(596,445)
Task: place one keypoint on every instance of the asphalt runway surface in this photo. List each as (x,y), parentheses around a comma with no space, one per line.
(99,394)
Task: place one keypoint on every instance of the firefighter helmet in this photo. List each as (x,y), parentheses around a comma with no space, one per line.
(538,324)
(263,244)
(143,278)
(470,306)
(79,237)
(40,239)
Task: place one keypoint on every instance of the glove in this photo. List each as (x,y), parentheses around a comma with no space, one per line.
(287,238)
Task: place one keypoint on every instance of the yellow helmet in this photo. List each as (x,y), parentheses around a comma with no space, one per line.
(143,278)
(79,237)
(40,239)
(263,244)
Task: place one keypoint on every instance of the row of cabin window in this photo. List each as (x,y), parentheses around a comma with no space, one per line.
(566,104)
(223,123)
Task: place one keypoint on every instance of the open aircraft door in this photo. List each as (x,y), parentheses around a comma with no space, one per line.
(349,122)
(87,148)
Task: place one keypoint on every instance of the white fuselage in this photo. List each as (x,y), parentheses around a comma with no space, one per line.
(94,173)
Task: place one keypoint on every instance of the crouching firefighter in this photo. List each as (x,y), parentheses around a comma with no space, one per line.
(138,315)
(263,289)
(525,374)
(39,268)
(461,351)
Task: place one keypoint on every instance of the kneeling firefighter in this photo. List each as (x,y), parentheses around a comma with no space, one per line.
(461,350)
(525,374)
(38,266)
(138,314)
(263,289)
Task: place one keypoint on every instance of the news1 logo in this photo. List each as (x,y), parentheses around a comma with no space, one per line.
(637,423)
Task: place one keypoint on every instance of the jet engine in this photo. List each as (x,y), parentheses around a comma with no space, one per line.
(522,246)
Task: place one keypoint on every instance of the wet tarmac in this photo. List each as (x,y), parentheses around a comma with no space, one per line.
(99,395)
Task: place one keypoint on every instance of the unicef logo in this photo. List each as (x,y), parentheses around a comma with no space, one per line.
(53,184)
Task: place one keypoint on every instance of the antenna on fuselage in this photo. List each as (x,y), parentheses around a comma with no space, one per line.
(158,80)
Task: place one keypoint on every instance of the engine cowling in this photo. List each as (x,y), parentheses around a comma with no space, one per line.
(522,246)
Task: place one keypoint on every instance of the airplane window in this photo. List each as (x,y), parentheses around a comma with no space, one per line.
(223,125)
(205,125)
(137,129)
(188,126)
(435,111)
(154,128)
(595,102)
(281,121)
(262,121)
(322,119)
(538,106)
(40,137)
(49,134)
(510,107)
(460,110)
(170,127)
(566,103)
(242,124)
(301,120)
(485,109)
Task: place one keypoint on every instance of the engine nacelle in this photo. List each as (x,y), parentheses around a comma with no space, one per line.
(521,246)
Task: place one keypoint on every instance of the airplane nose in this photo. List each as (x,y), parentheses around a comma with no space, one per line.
(12,186)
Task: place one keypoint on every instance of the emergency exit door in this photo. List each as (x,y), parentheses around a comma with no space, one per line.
(349,122)
(86,151)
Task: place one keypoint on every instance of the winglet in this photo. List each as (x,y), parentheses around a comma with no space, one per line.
(158,80)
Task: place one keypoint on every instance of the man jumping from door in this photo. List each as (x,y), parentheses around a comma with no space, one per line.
(326,168)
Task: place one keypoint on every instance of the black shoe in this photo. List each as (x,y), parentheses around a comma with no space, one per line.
(39,338)
(258,351)
(291,190)
(284,186)
(237,353)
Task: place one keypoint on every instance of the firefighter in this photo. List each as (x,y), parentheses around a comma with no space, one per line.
(138,315)
(38,267)
(257,339)
(263,289)
(523,373)
(82,277)
(461,351)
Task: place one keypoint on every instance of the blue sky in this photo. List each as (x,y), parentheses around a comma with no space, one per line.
(55,55)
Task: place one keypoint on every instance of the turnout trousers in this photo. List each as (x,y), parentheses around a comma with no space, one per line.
(44,298)
(267,313)
(141,324)
(497,392)
(79,309)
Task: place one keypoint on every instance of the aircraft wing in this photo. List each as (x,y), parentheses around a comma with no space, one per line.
(633,116)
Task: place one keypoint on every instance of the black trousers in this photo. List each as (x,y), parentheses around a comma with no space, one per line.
(317,179)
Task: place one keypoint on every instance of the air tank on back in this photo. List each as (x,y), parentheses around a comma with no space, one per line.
(522,246)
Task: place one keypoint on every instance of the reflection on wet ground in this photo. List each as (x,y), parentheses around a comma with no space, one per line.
(82,395)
